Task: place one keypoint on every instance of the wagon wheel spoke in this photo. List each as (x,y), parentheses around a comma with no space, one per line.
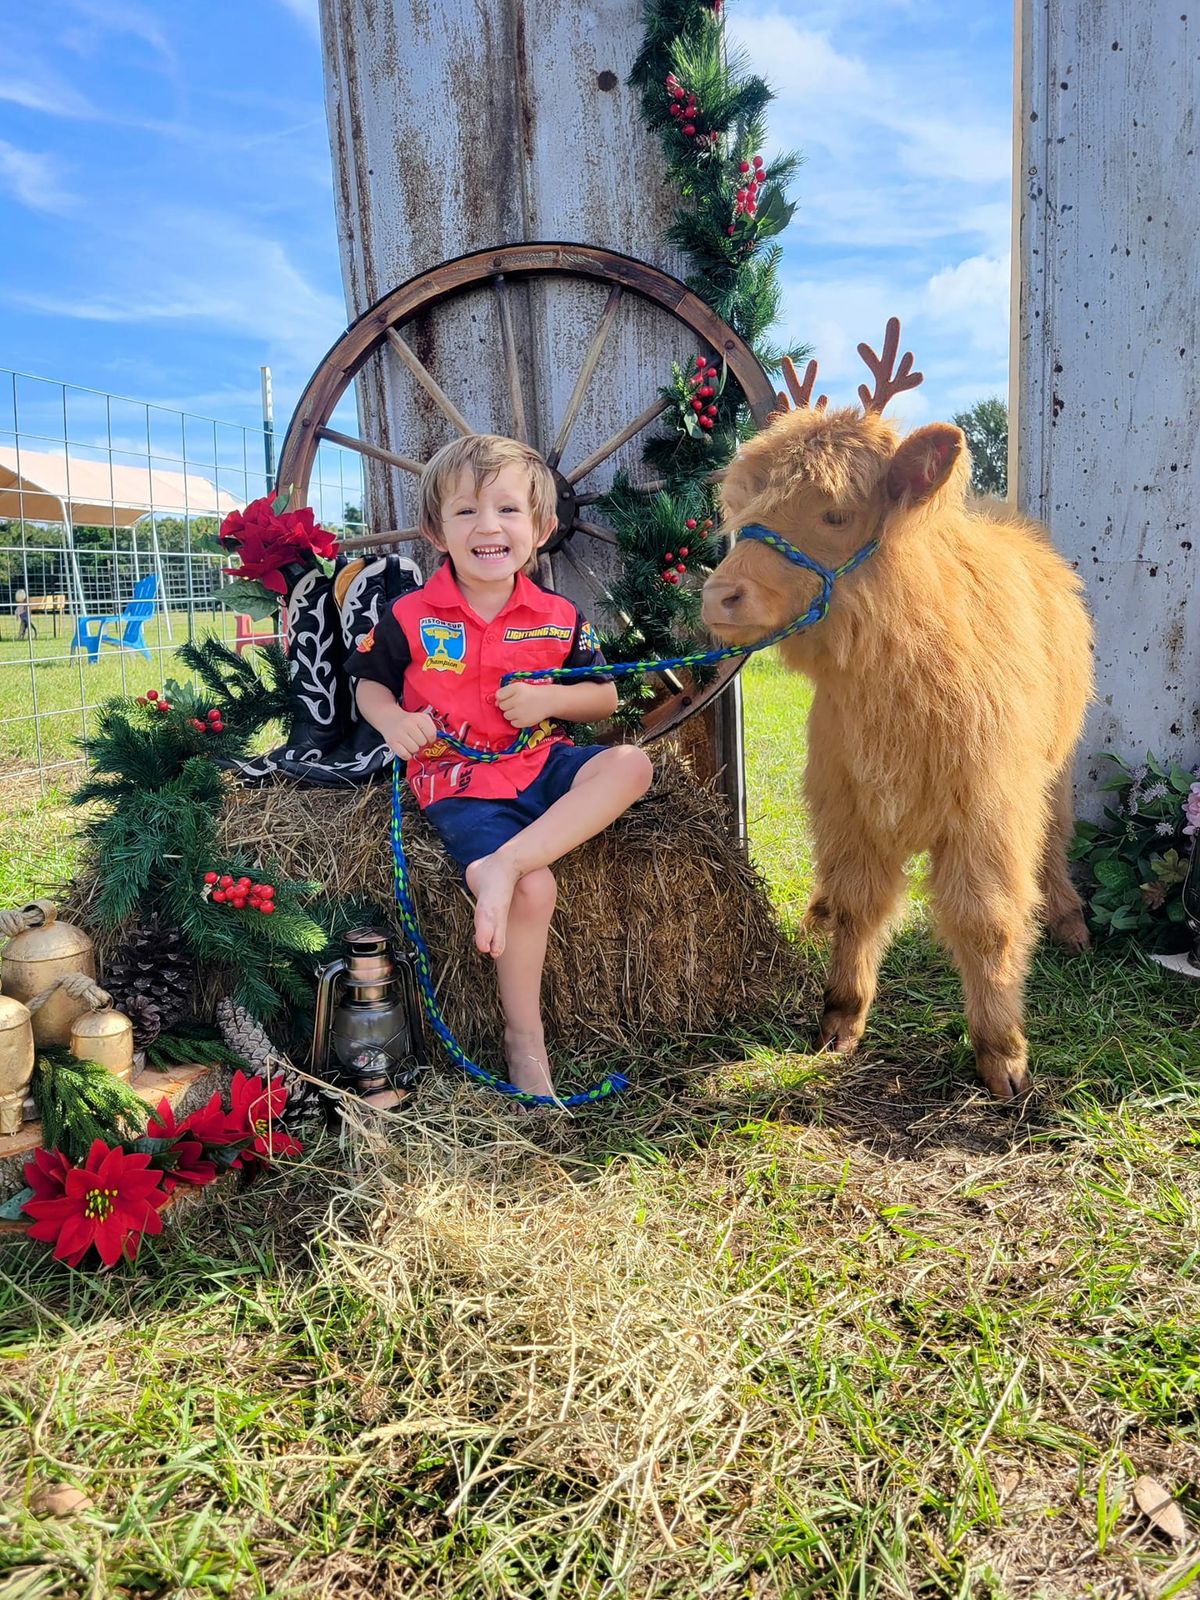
(602,453)
(590,362)
(376,452)
(583,568)
(428,382)
(377,541)
(594,531)
(656,485)
(511,371)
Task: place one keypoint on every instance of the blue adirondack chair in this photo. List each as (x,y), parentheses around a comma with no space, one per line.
(90,634)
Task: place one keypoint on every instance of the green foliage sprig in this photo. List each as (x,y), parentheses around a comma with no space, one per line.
(79,1101)
(1135,863)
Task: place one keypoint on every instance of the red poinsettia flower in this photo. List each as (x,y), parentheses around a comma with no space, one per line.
(254,1107)
(209,1123)
(46,1174)
(109,1202)
(267,540)
(183,1161)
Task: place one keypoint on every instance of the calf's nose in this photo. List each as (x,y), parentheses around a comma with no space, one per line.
(722,599)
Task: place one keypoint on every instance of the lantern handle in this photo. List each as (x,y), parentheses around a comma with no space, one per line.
(326,977)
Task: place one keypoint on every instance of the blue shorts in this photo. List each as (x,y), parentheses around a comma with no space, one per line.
(473,828)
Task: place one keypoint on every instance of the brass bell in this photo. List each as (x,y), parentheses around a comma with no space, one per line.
(105,1037)
(16,1062)
(31,961)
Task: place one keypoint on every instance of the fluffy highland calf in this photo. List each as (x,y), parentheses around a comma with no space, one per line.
(951,679)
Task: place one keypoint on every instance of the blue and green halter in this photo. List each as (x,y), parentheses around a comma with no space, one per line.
(816,612)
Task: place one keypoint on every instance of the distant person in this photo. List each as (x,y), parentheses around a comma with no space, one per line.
(24,618)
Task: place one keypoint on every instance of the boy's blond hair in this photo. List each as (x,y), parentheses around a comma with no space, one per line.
(483,455)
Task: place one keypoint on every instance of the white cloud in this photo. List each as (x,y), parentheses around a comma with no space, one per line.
(31,179)
(305,11)
(242,282)
(46,93)
(973,297)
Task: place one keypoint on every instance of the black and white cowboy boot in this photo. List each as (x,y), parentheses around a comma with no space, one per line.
(330,744)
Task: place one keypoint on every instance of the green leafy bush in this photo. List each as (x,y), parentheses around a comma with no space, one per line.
(1135,863)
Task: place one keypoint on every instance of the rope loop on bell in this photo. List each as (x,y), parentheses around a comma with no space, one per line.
(34,915)
(79,986)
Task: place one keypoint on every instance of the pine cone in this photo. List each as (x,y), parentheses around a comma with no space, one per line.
(146,1018)
(153,965)
(249,1040)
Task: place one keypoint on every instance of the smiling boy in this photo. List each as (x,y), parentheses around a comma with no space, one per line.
(434,663)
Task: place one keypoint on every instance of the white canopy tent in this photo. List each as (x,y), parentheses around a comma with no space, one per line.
(38,487)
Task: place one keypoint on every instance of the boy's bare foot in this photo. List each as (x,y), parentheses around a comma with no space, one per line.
(492,881)
(528,1063)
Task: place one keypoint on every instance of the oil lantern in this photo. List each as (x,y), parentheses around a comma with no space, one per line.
(48,949)
(367,1029)
(16,1063)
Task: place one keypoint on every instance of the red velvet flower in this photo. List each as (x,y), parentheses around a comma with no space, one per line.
(110,1202)
(209,1123)
(253,1110)
(266,541)
(46,1174)
(183,1161)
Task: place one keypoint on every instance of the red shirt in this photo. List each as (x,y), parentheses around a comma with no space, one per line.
(438,655)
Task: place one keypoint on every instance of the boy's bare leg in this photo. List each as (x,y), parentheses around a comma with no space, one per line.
(603,789)
(519,975)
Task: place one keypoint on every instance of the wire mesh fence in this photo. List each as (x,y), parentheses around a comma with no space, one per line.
(102,499)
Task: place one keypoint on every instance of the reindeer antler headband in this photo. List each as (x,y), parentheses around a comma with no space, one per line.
(890,380)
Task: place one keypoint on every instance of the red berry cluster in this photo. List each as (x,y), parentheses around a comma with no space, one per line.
(674,565)
(745,203)
(240,892)
(701,383)
(153,697)
(213,723)
(687,113)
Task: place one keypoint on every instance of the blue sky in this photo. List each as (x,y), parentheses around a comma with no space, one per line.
(167,208)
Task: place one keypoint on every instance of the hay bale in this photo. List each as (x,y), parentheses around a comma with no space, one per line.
(663,931)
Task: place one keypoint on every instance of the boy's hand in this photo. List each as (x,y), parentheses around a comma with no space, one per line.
(411,732)
(527,704)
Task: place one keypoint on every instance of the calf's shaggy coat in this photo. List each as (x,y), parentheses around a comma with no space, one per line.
(951,679)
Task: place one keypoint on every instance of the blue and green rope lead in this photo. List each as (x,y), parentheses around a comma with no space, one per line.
(817,611)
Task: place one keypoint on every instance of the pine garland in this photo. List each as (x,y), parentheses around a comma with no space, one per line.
(80,1101)
(153,835)
(188,1044)
(708,111)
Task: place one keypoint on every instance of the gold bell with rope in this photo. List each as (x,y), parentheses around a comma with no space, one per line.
(106,1037)
(16,1063)
(40,951)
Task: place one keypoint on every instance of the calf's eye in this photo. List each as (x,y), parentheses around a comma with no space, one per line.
(833,518)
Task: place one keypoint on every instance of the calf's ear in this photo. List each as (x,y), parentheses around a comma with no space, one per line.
(924,461)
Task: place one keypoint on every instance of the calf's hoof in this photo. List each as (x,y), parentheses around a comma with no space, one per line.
(841,1028)
(1006,1076)
(1069,931)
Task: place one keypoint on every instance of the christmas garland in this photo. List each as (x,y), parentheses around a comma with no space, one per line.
(707,111)
(157,788)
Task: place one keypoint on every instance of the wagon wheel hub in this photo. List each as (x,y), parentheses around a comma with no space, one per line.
(566,510)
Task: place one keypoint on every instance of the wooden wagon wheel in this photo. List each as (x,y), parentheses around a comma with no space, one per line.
(379,333)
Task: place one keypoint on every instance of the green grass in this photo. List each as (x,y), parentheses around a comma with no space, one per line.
(46,693)
(772,1326)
